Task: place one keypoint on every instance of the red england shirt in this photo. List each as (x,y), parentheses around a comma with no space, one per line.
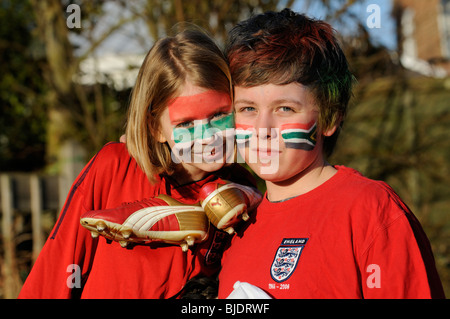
(351,237)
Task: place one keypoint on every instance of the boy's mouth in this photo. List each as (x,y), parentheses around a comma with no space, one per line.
(266,151)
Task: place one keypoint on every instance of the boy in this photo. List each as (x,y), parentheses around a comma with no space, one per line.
(321,231)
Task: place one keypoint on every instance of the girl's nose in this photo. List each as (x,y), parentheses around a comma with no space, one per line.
(206,133)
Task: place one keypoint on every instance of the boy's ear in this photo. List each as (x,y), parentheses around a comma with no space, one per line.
(332,129)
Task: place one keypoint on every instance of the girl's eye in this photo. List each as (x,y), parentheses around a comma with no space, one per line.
(247,109)
(286,109)
(186,124)
(218,115)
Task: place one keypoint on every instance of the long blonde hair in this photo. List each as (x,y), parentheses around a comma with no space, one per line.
(191,54)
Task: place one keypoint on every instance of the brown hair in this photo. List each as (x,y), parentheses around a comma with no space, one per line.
(285,47)
(190,55)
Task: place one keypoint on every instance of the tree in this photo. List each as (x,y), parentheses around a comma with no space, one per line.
(23,110)
(90,114)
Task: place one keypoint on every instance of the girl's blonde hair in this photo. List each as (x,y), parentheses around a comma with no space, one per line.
(192,56)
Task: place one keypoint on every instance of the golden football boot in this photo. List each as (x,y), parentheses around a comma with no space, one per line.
(161,219)
(226,203)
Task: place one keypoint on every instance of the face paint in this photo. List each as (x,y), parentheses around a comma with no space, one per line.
(198,106)
(243,133)
(203,123)
(206,141)
(203,129)
(198,113)
(299,136)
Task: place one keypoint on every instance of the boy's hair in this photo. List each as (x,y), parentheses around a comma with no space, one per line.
(285,47)
(190,55)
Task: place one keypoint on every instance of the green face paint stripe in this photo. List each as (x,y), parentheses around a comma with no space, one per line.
(203,130)
(180,134)
(224,122)
(243,137)
(243,134)
(299,135)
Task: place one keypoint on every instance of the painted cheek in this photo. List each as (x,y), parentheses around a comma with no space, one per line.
(299,136)
(244,132)
(183,135)
(187,136)
(204,129)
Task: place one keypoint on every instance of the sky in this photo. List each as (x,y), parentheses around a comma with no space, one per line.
(384,35)
(125,41)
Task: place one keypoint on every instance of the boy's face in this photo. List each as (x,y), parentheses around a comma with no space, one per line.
(276,130)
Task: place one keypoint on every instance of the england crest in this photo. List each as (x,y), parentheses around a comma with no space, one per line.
(286,258)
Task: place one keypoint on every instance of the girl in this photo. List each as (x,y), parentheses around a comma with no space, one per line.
(183,81)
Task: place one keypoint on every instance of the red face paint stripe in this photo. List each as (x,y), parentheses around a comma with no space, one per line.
(198,106)
(244,126)
(290,126)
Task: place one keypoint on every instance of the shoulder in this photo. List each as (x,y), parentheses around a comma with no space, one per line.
(362,188)
(370,201)
(114,175)
(373,205)
(112,151)
(111,154)
(110,159)
(374,210)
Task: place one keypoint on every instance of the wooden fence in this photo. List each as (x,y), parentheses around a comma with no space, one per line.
(24,201)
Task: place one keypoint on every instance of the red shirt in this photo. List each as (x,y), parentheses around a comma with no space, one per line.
(351,237)
(105,270)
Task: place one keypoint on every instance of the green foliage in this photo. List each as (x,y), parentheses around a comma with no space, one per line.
(23,112)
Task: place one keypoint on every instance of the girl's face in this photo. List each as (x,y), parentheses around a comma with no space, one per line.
(198,125)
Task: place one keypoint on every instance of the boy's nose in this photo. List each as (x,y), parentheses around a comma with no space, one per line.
(265,127)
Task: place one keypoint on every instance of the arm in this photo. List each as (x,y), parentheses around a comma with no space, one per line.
(399,262)
(66,257)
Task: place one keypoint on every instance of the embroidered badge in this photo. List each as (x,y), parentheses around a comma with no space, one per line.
(286,258)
